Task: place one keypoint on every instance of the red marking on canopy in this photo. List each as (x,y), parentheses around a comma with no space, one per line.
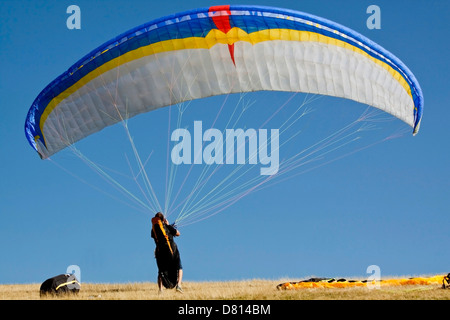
(221,18)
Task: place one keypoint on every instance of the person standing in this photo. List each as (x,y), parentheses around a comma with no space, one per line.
(170,270)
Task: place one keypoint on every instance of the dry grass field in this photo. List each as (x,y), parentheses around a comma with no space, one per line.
(232,290)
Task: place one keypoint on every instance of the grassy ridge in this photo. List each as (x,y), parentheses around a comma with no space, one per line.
(229,290)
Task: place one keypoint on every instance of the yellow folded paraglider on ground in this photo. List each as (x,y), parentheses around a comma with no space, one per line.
(344,283)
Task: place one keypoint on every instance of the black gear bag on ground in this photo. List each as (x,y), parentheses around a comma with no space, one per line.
(60,284)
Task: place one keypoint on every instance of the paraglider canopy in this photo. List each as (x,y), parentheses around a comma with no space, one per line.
(214,51)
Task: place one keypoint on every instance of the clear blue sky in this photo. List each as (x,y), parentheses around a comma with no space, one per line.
(386,205)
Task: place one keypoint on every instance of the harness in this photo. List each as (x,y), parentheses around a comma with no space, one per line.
(157,222)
